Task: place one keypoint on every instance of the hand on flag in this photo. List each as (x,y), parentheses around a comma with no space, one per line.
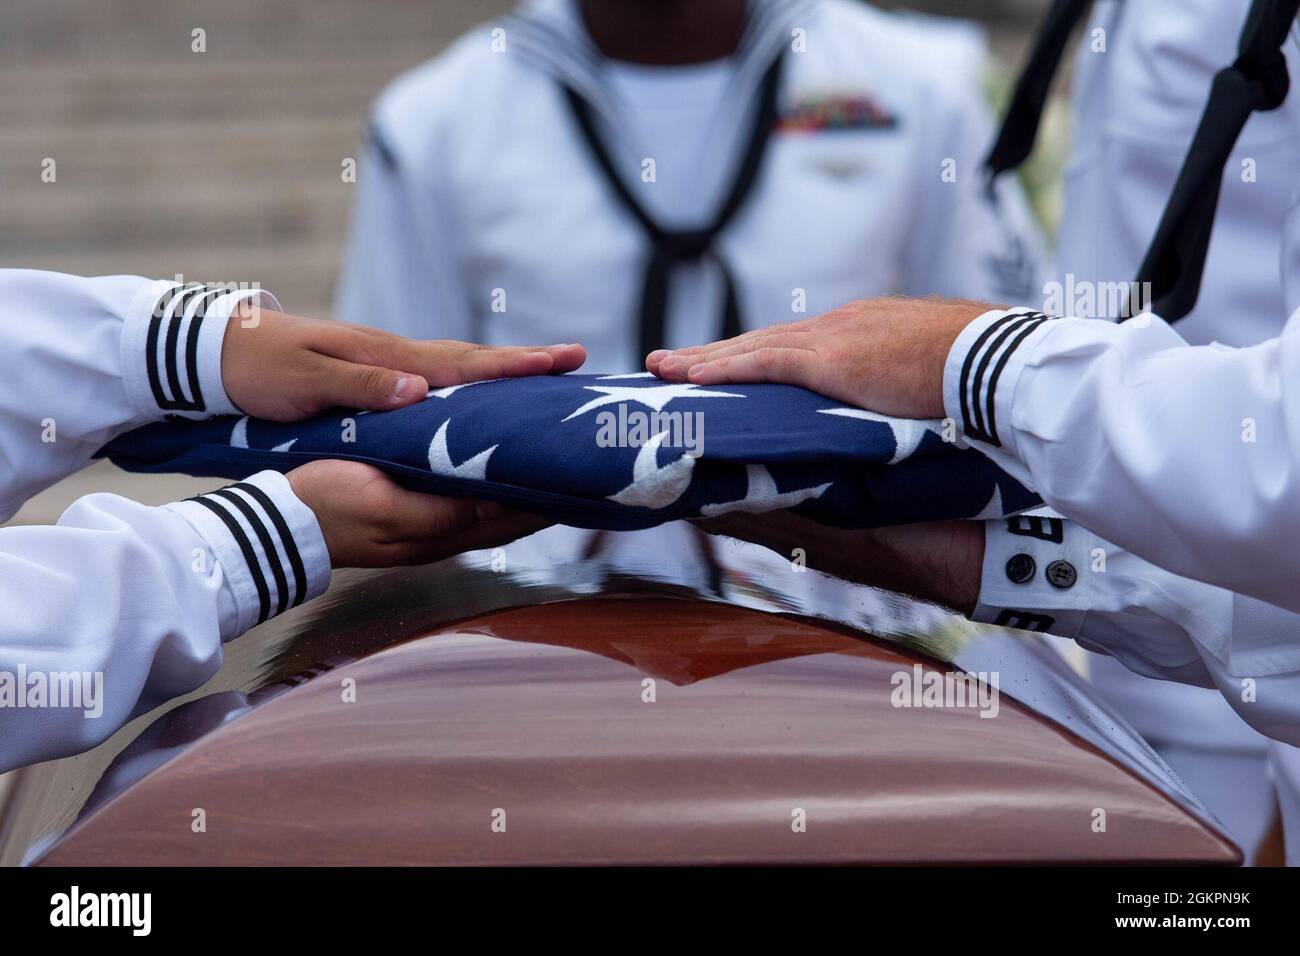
(285,368)
(369,521)
(886,355)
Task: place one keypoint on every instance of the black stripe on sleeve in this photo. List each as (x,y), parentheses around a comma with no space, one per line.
(1037,526)
(963,381)
(997,373)
(160,312)
(268,546)
(977,386)
(1025,620)
(192,348)
(170,310)
(172,350)
(246,548)
(192,359)
(286,536)
(998,341)
(169,348)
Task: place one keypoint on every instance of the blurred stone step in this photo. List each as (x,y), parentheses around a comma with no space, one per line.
(193,88)
(300,273)
(185,150)
(145,28)
(109,214)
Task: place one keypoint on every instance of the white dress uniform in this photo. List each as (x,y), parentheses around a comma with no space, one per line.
(1178,457)
(120,606)
(484,215)
(1137,103)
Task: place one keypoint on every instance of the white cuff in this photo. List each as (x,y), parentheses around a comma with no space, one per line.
(171,348)
(984,365)
(267,543)
(1037,574)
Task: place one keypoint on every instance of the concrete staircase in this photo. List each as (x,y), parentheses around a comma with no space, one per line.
(222,165)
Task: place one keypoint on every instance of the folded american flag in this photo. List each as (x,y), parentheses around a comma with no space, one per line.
(619,452)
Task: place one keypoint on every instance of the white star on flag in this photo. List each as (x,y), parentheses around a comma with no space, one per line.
(239,437)
(994,508)
(761,495)
(652,486)
(907,432)
(440,459)
(656,396)
(453,389)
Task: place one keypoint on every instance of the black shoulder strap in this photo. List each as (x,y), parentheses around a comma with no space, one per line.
(1257,80)
(1020,127)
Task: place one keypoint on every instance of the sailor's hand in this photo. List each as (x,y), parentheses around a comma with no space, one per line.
(941,561)
(886,355)
(284,367)
(369,521)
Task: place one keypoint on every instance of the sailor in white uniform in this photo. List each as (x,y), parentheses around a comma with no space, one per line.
(532,183)
(1142,77)
(1182,455)
(121,606)
(630,174)
(1141,103)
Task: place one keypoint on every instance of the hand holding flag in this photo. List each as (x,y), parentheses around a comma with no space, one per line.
(284,367)
(886,355)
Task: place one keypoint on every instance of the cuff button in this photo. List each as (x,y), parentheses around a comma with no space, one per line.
(1021,568)
(1061,574)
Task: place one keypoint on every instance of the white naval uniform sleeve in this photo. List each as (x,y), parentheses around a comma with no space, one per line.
(398,268)
(120,606)
(89,359)
(1043,573)
(1188,456)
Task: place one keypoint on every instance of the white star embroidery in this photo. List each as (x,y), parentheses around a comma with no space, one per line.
(452,389)
(447,391)
(656,396)
(239,437)
(440,459)
(761,495)
(994,508)
(652,486)
(907,432)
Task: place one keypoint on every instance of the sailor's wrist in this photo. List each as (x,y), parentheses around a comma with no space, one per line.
(172,345)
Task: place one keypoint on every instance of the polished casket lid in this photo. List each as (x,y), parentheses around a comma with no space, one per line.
(653,728)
